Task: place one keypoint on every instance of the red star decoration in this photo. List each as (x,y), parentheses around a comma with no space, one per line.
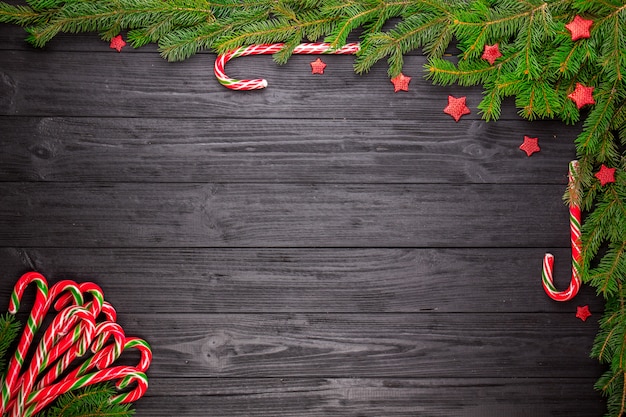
(582,95)
(400,82)
(317,66)
(456,107)
(530,145)
(579,28)
(606,175)
(582,312)
(491,53)
(117,43)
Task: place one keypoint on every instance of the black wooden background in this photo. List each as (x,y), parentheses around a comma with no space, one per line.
(325,247)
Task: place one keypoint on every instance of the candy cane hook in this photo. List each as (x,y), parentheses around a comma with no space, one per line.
(548,259)
(267,49)
(34,322)
(125,375)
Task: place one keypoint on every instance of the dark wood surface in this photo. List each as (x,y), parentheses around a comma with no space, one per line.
(325,247)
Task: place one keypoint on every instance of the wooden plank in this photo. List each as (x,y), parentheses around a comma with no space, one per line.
(304,280)
(33,83)
(278,215)
(278,150)
(421,345)
(293,397)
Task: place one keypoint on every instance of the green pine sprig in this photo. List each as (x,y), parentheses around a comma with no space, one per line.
(9,330)
(91,401)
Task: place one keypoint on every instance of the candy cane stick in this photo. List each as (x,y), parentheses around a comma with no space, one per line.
(266,49)
(49,350)
(104,355)
(548,259)
(34,322)
(37,401)
(69,347)
(102,332)
(39,310)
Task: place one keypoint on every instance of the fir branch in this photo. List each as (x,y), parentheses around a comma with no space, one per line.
(605,277)
(608,34)
(104,16)
(91,401)
(354,15)
(609,347)
(18,15)
(424,29)
(182,43)
(606,223)
(262,31)
(9,330)
(475,26)
(598,121)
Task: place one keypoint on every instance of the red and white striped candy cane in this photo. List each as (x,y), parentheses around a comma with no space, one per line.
(574,222)
(50,349)
(34,322)
(45,298)
(102,358)
(267,49)
(70,346)
(125,375)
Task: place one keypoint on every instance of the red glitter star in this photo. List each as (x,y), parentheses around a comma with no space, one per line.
(456,107)
(582,312)
(606,175)
(582,95)
(117,43)
(579,28)
(400,82)
(317,66)
(491,53)
(530,145)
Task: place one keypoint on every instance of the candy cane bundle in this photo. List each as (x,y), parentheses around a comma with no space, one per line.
(268,49)
(84,322)
(575,222)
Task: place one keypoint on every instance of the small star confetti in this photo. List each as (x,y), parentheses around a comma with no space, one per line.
(530,145)
(400,83)
(582,312)
(117,43)
(456,107)
(582,95)
(491,53)
(317,66)
(606,175)
(579,28)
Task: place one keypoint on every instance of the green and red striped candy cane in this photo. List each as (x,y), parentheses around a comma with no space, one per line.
(44,299)
(103,355)
(68,348)
(70,335)
(32,325)
(125,375)
(267,49)
(575,235)
(51,348)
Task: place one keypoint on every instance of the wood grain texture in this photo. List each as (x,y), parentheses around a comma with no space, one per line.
(325,247)
(109,84)
(276,215)
(278,150)
(293,397)
(419,345)
(315,280)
